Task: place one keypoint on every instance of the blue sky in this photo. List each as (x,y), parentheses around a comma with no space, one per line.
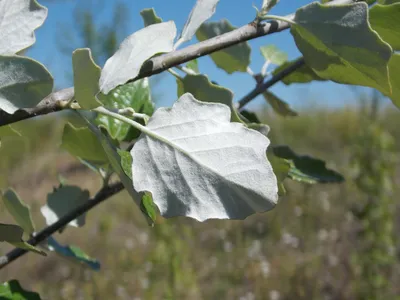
(300,95)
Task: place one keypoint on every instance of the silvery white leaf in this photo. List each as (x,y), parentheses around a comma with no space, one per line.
(202,11)
(125,64)
(19,19)
(196,163)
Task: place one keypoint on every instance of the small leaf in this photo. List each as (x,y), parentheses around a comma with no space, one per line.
(148,207)
(115,161)
(272,54)
(24,82)
(86,78)
(202,89)
(73,253)
(279,106)
(196,163)
(19,19)
(125,64)
(12,290)
(13,234)
(82,143)
(304,74)
(150,17)
(388,2)
(62,201)
(281,169)
(305,168)
(193,65)
(136,95)
(232,59)
(126,162)
(385,20)
(19,210)
(338,44)
(249,116)
(201,12)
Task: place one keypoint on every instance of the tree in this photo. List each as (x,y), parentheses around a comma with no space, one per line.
(205,158)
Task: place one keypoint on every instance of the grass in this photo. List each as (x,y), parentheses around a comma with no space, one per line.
(302,249)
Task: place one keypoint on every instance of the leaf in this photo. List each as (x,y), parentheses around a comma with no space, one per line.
(193,65)
(150,17)
(136,95)
(305,168)
(388,2)
(125,64)
(201,12)
(12,290)
(13,234)
(203,90)
(394,71)
(19,19)
(7,130)
(272,54)
(62,201)
(338,44)
(304,74)
(73,253)
(86,78)
(24,82)
(115,161)
(126,162)
(233,59)
(196,163)
(19,210)
(82,143)
(281,169)
(385,20)
(249,116)
(279,106)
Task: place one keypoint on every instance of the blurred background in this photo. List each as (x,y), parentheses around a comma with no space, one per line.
(326,241)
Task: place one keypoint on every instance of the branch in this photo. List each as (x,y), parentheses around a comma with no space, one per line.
(103,194)
(260,88)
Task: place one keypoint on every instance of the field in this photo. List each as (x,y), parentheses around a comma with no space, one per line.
(308,247)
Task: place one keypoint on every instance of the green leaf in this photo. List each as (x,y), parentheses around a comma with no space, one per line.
(250,117)
(115,161)
(394,71)
(24,82)
(82,143)
(126,63)
(203,90)
(233,59)
(73,253)
(62,201)
(305,168)
(272,54)
(150,17)
(338,44)
(196,163)
(193,65)
(19,19)
(281,169)
(8,131)
(304,74)
(388,2)
(19,210)
(86,78)
(126,162)
(279,106)
(13,234)
(136,95)
(385,20)
(148,207)
(201,12)
(12,290)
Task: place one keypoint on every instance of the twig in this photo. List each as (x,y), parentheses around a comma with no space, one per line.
(260,88)
(102,195)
